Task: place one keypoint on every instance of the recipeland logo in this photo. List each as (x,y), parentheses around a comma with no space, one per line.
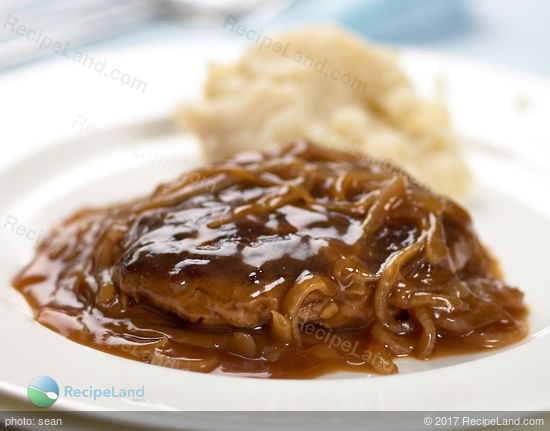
(43,391)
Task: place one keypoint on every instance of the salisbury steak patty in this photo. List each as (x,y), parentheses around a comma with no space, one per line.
(226,248)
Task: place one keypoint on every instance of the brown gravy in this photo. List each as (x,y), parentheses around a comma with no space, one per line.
(289,264)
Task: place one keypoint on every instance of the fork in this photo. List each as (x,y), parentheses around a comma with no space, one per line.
(25,24)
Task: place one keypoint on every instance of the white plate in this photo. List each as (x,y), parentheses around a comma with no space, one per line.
(56,167)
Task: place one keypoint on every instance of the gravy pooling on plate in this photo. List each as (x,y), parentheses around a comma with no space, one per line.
(292,263)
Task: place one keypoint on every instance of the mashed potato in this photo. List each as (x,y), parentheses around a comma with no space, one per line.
(325,85)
